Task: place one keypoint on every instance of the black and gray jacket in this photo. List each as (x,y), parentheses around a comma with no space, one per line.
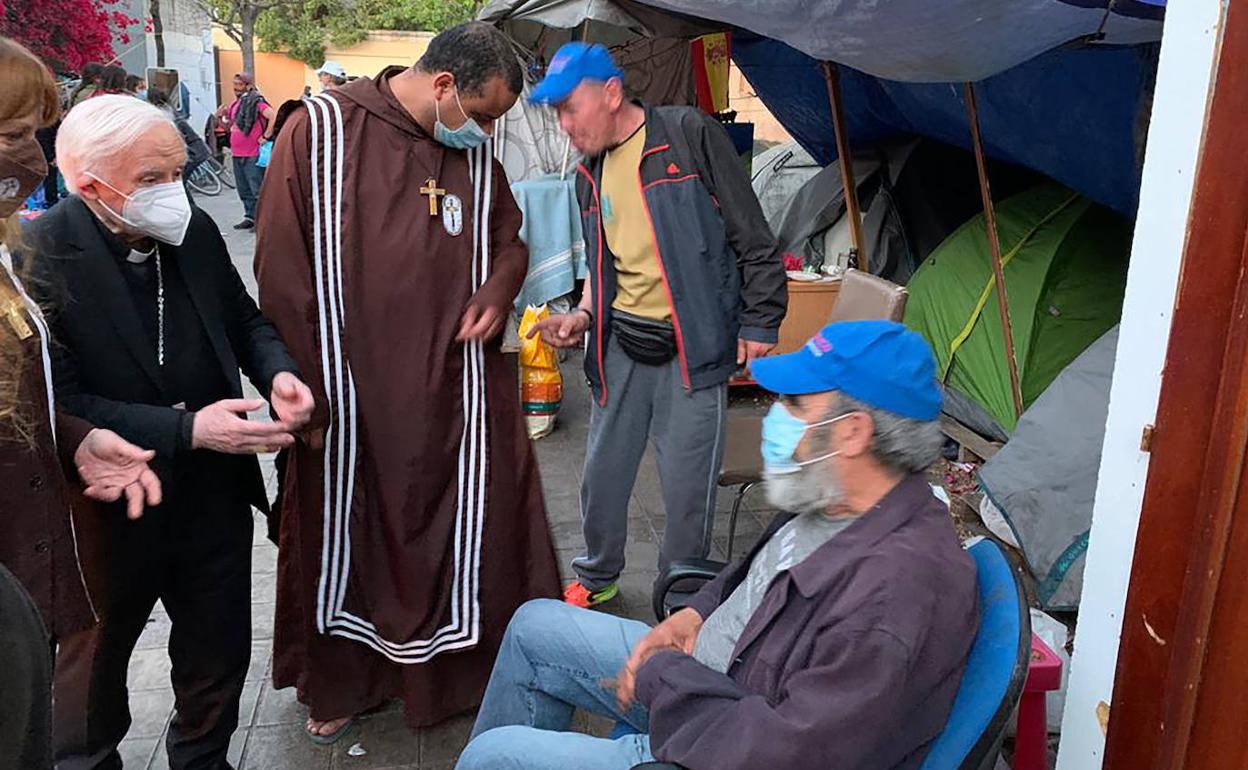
(718,258)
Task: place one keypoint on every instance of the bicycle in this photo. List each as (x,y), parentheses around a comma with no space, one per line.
(204,180)
(209,177)
(222,172)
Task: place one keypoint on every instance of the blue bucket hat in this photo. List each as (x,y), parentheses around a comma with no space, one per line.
(880,363)
(573,64)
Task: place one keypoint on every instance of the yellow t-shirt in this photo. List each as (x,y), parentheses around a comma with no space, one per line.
(639,282)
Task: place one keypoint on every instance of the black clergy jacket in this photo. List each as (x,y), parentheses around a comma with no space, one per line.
(105,365)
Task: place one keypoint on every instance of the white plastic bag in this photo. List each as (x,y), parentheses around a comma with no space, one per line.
(1053,633)
(995,521)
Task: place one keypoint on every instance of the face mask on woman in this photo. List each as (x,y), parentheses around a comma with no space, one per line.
(22,170)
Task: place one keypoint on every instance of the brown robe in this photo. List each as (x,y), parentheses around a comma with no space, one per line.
(37,538)
(412,522)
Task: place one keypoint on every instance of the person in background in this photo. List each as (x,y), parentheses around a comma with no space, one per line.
(136,86)
(196,150)
(46,137)
(838,642)
(183,110)
(249,119)
(112,81)
(332,75)
(153,324)
(688,286)
(46,456)
(87,84)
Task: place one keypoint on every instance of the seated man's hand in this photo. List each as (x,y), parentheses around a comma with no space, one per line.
(222,428)
(110,466)
(292,400)
(679,632)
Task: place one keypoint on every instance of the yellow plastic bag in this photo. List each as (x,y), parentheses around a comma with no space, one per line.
(541,384)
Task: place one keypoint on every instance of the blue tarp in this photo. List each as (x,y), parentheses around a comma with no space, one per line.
(1073,114)
(932,41)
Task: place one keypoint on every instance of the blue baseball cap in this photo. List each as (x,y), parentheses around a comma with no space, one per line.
(574,63)
(880,363)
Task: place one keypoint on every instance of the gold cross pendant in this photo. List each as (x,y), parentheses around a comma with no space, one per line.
(18,321)
(433,191)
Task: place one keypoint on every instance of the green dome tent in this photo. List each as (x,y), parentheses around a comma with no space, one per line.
(1065,266)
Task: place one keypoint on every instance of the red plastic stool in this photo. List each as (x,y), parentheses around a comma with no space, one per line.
(1044,675)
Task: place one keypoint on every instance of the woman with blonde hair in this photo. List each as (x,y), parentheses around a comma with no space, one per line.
(44,454)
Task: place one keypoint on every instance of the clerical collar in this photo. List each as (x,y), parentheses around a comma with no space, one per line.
(119,248)
(136,257)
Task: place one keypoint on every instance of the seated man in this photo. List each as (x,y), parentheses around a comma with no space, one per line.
(838,642)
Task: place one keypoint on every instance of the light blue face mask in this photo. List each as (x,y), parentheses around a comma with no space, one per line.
(467,137)
(782,432)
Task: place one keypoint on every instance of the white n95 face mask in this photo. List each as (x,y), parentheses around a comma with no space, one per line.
(161,211)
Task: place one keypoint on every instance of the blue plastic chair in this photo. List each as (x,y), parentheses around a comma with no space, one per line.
(996,670)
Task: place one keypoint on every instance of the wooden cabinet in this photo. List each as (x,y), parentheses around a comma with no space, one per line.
(810,308)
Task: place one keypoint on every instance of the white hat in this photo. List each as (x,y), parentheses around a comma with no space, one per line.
(332,68)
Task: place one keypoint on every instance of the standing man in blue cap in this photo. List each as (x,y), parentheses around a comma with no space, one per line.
(686,285)
(838,642)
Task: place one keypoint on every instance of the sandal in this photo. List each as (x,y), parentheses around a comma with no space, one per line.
(332,738)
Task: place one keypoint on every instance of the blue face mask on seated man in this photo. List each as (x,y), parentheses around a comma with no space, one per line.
(467,137)
(782,432)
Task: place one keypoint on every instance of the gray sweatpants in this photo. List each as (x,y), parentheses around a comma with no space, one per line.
(649,403)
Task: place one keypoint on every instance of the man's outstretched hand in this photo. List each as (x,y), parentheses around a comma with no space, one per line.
(291,400)
(561,331)
(679,632)
(223,427)
(110,466)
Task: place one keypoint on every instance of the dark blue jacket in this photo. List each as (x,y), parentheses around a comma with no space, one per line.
(851,661)
(719,261)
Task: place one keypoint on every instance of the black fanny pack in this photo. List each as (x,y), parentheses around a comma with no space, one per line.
(644,340)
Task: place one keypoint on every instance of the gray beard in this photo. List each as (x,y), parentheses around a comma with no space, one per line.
(813,489)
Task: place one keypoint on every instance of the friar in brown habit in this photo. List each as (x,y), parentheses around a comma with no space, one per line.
(412,523)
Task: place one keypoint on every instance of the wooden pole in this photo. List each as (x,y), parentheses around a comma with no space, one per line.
(567,151)
(994,248)
(847,167)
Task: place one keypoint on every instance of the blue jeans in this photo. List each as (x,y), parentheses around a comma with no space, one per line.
(248,177)
(553,660)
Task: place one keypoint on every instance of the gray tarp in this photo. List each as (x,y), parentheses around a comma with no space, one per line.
(779,173)
(930,41)
(813,224)
(1044,479)
(651,46)
(610,22)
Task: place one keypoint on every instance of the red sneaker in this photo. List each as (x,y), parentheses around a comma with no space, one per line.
(578,595)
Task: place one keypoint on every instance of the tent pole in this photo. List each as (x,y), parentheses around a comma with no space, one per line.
(847,167)
(567,151)
(994,248)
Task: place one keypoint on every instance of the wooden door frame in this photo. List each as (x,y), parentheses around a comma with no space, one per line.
(1193,492)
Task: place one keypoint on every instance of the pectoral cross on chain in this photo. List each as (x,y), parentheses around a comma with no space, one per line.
(18,321)
(433,191)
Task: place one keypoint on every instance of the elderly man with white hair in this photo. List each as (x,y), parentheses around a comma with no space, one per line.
(152,325)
